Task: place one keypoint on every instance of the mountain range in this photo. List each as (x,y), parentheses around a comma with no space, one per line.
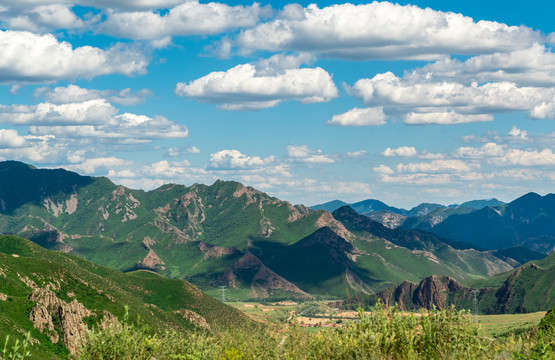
(227,234)
(526,223)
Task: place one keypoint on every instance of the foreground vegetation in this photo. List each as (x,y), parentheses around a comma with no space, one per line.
(382,334)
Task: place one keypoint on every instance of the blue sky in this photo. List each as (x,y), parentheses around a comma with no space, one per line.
(436,101)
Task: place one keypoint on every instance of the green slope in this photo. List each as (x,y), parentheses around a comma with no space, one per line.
(27,270)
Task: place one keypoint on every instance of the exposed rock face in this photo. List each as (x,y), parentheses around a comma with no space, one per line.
(327,220)
(70,316)
(431,292)
(211,251)
(193,318)
(148,242)
(249,269)
(151,262)
(387,218)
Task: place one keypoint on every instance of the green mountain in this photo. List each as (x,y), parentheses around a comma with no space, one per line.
(329,206)
(57,297)
(528,288)
(528,221)
(480,204)
(223,234)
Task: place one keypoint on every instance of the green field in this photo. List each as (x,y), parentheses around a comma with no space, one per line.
(499,325)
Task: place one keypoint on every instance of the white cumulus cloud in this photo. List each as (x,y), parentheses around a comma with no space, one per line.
(403,151)
(30,57)
(372,116)
(437,166)
(241,88)
(234,159)
(303,153)
(11,139)
(451,102)
(532,66)
(382,30)
(40,18)
(86,112)
(188,18)
(520,157)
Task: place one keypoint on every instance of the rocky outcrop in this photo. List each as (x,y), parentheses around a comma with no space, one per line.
(212,251)
(432,291)
(151,262)
(327,220)
(193,318)
(70,317)
(250,271)
(387,218)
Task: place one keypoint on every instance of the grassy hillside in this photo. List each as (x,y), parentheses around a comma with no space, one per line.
(66,295)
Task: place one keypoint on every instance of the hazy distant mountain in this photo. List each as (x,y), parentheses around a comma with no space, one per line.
(480,204)
(528,221)
(374,205)
(329,206)
(423,216)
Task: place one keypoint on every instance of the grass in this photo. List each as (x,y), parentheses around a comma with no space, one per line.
(381,334)
(502,325)
(160,303)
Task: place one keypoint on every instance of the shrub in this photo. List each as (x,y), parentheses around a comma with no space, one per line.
(17,351)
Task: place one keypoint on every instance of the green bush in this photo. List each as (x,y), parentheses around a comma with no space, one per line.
(383,334)
(17,351)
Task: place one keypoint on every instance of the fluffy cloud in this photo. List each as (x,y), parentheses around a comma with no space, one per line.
(40,18)
(120,4)
(517,133)
(373,116)
(277,64)
(303,154)
(11,139)
(437,166)
(94,165)
(533,66)
(188,18)
(421,179)
(128,128)
(75,94)
(356,154)
(451,102)
(382,30)
(43,149)
(487,150)
(30,57)
(234,159)
(86,112)
(545,110)
(384,170)
(444,118)
(520,157)
(78,113)
(404,151)
(175,151)
(241,88)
